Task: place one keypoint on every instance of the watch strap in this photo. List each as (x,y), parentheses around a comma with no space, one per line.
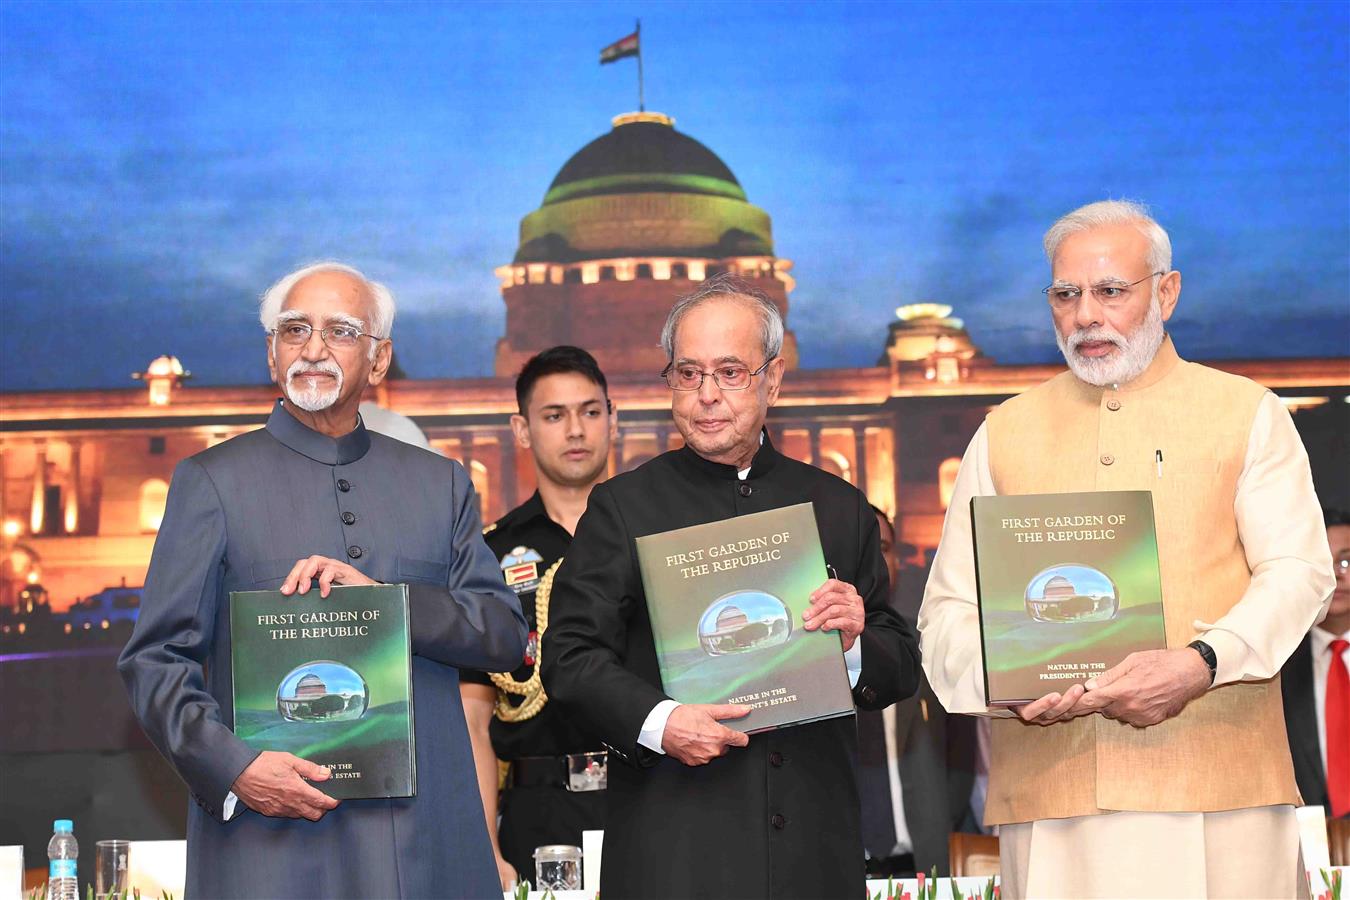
(1207,654)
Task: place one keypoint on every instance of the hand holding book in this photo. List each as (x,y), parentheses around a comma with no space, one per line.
(1054,707)
(1069,587)
(836,606)
(696,736)
(1148,687)
(323,687)
(743,614)
(277,784)
(1145,688)
(328,571)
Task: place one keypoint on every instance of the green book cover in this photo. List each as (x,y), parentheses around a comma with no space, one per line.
(329,681)
(1068,587)
(725,601)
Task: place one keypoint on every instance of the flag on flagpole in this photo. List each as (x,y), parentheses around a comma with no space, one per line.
(619,49)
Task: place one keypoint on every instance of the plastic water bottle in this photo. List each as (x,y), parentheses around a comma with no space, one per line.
(62,851)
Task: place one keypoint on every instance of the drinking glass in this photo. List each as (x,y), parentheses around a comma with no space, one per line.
(110,868)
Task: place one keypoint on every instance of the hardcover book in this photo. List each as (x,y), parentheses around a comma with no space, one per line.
(329,681)
(725,601)
(1068,587)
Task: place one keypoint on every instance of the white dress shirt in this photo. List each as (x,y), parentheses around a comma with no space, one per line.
(1321,665)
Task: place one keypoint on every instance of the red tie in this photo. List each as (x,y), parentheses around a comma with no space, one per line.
(1338,730)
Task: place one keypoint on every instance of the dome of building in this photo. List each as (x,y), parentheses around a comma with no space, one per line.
(643,152)
(165,366)
(1059,586)
(632,221)
(922,329)
(644,189)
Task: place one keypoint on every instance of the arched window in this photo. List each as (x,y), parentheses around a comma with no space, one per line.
(154,494)
(947,479)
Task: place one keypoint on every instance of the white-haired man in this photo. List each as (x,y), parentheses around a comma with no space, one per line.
(1168,775)
(315,498)
(695,808)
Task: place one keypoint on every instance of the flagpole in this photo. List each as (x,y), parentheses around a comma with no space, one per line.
(641,105)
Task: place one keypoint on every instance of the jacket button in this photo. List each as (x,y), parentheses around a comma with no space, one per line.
(745,490)
(344,485)
(778,820)
(354,551)
(775,759)
(1107,459)
(349,518)
(1113,404)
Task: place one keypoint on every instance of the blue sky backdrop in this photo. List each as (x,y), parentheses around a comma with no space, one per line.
(161,163)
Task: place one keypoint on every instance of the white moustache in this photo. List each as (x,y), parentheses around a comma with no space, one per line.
(310,397)
(323,367)
(1095,335)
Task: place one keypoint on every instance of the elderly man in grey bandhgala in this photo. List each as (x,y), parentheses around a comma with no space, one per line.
(316,497)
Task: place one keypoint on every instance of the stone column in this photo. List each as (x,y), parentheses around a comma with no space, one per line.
(898,449)
(37,512)
(508,463)
(466,460)
(860,457)
(71,523)
(813,432)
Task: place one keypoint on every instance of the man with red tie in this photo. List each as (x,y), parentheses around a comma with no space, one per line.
(1317,691)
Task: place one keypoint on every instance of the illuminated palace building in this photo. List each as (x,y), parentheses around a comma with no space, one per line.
(637,217)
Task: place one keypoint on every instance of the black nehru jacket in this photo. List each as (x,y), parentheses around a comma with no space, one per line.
(779,818)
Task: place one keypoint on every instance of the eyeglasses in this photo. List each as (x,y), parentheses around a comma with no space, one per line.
(337,337)
(1110,293)
(728,378)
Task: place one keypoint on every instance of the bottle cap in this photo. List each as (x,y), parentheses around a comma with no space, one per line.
(63,825)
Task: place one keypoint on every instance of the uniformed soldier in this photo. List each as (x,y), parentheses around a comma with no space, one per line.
(554,778)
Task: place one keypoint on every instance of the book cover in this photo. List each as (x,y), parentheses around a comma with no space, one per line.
(725,601)
(1068,587)
(329,681)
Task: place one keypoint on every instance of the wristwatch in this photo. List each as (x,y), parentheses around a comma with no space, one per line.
(1207,654)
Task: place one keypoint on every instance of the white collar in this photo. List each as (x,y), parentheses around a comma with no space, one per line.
(1321,640)
(745,473)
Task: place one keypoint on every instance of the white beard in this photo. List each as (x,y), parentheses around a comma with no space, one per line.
(1132,357)
(307,395)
